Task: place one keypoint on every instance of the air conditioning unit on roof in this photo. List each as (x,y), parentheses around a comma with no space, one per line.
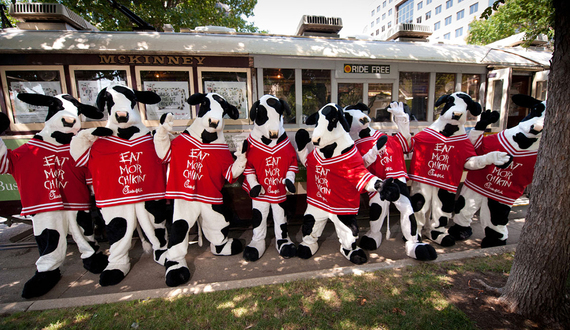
(322,26)
(44,16)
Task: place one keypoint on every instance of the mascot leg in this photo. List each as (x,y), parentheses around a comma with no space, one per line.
(421,199)
(347,232)
(466,206)
(314,222)
(255,249)
(81,229)
(414,248)
(50,230)
(185,215)
(216,230)
(378,212)
(285,247)
(442,208)
(151,216)
(120,224)
(494,219)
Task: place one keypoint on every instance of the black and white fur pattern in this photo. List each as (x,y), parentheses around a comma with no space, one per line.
(206,128)
(267,116)
(424,197)
(125,122)
(62,122)
(360,128)
(494,215)
(331,138)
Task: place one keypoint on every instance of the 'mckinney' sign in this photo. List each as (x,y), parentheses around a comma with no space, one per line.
(366,68)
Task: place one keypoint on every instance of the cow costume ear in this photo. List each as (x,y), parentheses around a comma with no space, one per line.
(88,111)
(473,107)
(286,107)
(196,98)
(102,98)
(358,106)
(442,99)
(536,106)
(147,97)
(253,110)
(312,119)
(342,120)
(37,99)
(230,110)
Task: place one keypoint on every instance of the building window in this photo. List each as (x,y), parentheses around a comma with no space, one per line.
(379,98)
(281,83)
(447,36)
(428,2)
(372,24)
(406,12)
(437,26)
(419,20)
(389,25)
(459,32)
(390,12)
(174,88)
(448,4)
(383,28)
(350,93)
(229,82)
(460,14)
(377,20)
(384,4)
(459,1)
(470,84)
(428,15)
(372,14)
(420,5)
(377,31)
(316,90)
(414,91)
(384,16)
(444,85)
(378,9)
(389,1)
(438,9)
(447,20)
(473,8)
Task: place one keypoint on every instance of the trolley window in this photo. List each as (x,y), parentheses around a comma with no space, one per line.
(414,91)
(281,84)
(231,83)
(444,85)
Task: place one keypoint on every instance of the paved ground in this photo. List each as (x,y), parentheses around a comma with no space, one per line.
(209,272)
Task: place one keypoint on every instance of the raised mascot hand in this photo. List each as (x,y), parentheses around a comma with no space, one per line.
(488,117)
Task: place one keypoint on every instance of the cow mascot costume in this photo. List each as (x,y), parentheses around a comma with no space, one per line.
(200,164)
(129,179)
(270,174)
(53,189)
(494,189)
(336,177)
(441,152)
(388,162)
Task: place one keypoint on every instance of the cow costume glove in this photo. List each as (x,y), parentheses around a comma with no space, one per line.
(241,160)
(289,182)
(256,188)
(401,119)
(494,157)
(81,142)
(162,136)
(388,190)
(487,118)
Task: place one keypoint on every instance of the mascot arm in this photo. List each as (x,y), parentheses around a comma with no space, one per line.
(252,181)
(387,189)
(497,158)
(302,139)
(487,118)
(162,137)
(371,156)
(289,182)
(81,142)
(401,119)
(239,164)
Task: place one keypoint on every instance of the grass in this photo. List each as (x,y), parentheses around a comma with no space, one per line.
(407,298)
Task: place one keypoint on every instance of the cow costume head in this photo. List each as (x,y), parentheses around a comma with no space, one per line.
(62,120)
(453,116)
(267,116)
(358,120)
(527,133)
(120,102)
(208,126)
(331,134)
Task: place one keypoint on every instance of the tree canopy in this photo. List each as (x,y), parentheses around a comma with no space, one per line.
(178,13)
(533,17)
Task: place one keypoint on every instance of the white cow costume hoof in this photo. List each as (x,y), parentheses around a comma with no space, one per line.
(269,175)
(383,156)
(441,153)
(200,164)
(124,151)
(493,189)
(53,189)
(335,178)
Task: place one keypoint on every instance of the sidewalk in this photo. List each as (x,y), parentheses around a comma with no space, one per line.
(210,273)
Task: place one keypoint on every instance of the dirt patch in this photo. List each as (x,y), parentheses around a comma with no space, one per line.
(481,306)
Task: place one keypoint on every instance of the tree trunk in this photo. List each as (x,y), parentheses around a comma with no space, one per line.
(536,285)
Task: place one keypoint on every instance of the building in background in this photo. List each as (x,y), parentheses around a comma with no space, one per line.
(423,20)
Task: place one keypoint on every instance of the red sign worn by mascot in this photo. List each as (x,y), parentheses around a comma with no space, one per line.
(53,189)
(270,174)
(494,189)
(200,164)
(388,162)
(129,179)
(336,177)
(441,153)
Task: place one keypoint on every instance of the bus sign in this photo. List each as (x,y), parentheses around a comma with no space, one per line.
(365,68)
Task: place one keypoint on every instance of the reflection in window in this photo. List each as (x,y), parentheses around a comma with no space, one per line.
(406,12)
(173,88)
(379,98)
(444,85)
(349,93)
(231,85)
(281,84)
(541,89)
(413,90)
(316,90)
(470,84)
(36,81)
(90,82)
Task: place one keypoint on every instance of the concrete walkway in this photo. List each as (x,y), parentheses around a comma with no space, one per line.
(211,273)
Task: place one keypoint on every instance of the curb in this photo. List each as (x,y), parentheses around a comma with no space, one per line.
(39,305)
